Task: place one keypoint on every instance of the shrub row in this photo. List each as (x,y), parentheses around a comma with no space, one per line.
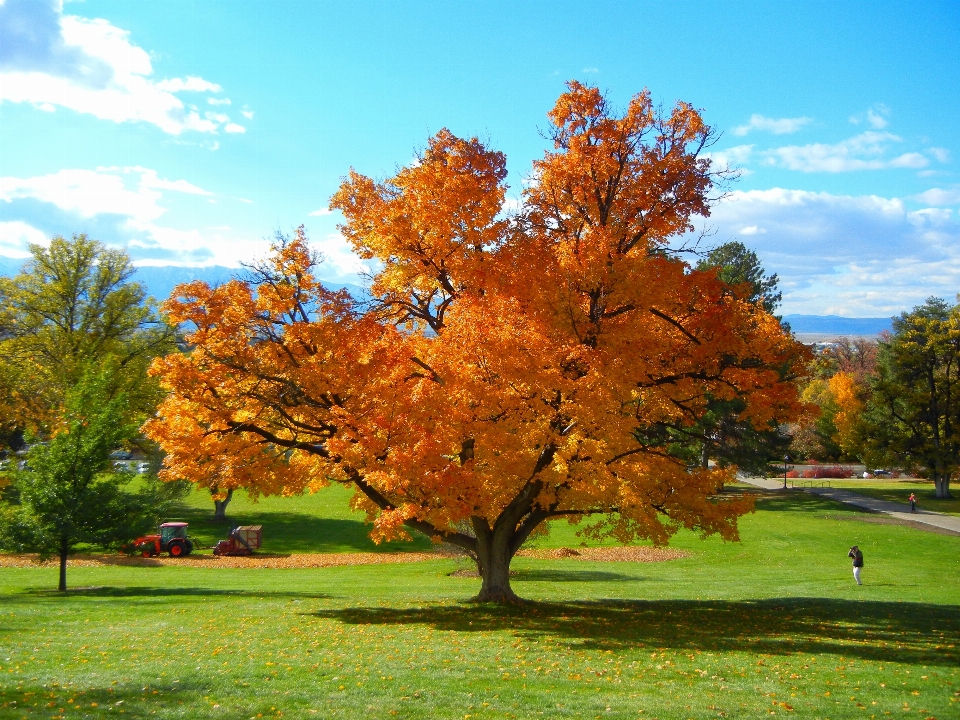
(822,471)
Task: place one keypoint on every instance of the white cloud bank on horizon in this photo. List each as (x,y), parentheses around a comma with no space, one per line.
(54,60)
(835,254)
(845,255)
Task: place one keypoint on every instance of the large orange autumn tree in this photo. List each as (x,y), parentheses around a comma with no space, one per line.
(509,369)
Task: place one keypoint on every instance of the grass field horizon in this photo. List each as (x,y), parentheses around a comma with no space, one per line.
(771,625)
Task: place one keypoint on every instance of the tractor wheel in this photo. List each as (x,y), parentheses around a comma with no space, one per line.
(176,549)
(188,547)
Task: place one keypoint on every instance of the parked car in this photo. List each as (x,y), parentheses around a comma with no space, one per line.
(143,467)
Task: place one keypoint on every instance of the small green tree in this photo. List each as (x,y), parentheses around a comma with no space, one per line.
(68,494)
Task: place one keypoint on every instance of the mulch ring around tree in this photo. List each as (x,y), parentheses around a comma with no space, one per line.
(321,560)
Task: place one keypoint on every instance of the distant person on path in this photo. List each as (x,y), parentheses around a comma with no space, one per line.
(857,562)
(913,502)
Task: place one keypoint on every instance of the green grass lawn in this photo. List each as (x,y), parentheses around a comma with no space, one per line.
(771,625)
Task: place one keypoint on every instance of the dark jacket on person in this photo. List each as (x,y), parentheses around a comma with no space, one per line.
(856,555)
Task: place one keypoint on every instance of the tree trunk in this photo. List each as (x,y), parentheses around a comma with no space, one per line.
(64,548)
(494,553)
(220,506)
(942,484)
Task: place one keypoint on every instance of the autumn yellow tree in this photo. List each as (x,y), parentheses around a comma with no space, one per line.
(849,399)
(510,369)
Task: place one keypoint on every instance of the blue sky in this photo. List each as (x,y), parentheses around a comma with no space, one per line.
(188,132)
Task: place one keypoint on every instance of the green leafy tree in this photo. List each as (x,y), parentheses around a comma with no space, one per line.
(68,495)
(75,304)
(913,415)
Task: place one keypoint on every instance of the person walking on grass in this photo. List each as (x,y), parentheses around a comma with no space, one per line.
(913,502)
(857,562)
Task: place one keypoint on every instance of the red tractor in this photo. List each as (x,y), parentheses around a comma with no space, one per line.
(172,539)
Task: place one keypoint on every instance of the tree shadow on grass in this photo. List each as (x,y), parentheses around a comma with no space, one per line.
(159,593)
(128,699)
(914,633)
(543,575)
(293,532)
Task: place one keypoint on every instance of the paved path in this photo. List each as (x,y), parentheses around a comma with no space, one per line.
(894,509)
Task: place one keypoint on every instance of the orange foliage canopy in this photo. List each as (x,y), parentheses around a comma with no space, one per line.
(505,365)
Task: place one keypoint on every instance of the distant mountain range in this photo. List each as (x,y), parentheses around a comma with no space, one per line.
(160,281)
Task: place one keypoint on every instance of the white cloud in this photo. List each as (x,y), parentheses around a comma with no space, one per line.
(16,236)
(512,205)
(846,255)
(321,212)
(941,154)
(87,193)
(123,202)
(128,207)
(190,83)
(234,128)
(781,126)
(218,101)
(89,66)
(217,117)
(731,157)
(340,264)
(865,151)
(875,117)
(248,114)
(939,197)
(149,179)
(876,120)
(590,70)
